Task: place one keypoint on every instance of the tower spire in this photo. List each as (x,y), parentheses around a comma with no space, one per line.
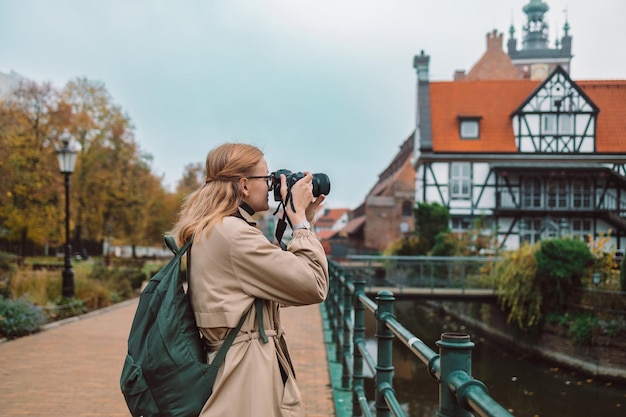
(536,29)
(536,56)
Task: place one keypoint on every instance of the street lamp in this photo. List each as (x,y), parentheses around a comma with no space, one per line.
(597,277)
(67,160)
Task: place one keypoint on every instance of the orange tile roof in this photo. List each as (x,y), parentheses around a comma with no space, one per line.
(610,97)
(331,217)
(495,100)
(492,100)
(326,234)
(353,225)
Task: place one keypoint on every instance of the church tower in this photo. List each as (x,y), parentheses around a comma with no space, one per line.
(537,59)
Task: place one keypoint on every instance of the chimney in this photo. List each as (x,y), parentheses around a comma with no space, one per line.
(420,63)
(459,75)
(423,134)
(494,40)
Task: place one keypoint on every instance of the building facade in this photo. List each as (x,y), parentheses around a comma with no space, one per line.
(537,156)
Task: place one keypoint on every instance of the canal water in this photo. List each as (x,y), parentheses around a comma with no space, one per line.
(526,386)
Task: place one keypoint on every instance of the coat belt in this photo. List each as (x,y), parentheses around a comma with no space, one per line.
(241,337)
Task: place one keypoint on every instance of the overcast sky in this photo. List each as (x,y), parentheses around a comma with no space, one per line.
(320,85)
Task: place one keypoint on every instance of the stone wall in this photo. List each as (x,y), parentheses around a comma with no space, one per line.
(605,358)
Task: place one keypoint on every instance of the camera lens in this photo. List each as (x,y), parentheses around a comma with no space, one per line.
(321,184)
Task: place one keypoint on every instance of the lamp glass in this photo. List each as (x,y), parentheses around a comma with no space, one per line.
(67,160)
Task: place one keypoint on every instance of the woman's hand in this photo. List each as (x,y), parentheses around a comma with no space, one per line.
(304,203)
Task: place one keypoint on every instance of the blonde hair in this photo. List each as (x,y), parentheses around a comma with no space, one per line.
(221,193)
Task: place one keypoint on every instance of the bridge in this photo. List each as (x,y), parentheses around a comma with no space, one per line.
(425,277)
(444,294)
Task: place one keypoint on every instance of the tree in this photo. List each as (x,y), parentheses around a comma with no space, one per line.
(114,192)
(30,190)
(561,264)
(519,291)
(470,243)
(430,220)
(117,189)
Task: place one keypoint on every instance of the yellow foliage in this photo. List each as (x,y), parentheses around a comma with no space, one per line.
(406,245)
(517,290)
(603,252)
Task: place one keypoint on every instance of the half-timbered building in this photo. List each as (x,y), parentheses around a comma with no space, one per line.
(536,157)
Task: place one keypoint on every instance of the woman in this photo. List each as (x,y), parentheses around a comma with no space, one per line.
(233,263)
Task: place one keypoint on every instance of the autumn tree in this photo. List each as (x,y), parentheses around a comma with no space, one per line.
(114,192)
(30,187)
(117,190)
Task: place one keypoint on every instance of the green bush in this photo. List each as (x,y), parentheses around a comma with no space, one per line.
(561,263)
(430,220)
(123,280)
(7,268)
(581,329)
(64,307)
(19,317)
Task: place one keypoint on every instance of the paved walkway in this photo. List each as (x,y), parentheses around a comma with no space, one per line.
(73,368)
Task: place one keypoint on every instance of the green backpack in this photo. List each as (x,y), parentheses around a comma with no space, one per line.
(165,372)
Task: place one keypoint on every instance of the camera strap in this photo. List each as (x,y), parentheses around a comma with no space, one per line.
(284,220)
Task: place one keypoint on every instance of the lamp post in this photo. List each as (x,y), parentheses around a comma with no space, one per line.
(597,277)
(67,160)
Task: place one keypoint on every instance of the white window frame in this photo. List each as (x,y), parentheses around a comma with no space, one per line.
(582,195)
(531,232)
(581,228)
(469,128)
(557,193)
(460,180)
(566,124)
(532,193)
(548,124)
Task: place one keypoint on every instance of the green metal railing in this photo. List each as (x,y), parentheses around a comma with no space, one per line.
(459,393)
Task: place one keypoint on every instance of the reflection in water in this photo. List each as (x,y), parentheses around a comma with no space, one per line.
(527,386)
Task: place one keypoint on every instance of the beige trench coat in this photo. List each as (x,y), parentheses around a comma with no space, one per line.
(231,267)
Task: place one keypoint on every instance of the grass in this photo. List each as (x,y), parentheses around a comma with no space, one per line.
(43,287)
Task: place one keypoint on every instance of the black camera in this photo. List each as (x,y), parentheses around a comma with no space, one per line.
(321,182)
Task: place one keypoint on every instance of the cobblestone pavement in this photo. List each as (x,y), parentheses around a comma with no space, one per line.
(73,367)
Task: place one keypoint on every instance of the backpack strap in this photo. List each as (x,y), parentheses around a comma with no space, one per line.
(258,303)
(215,364)
(170,242)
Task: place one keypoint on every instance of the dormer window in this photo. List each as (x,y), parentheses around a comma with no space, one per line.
(469,127)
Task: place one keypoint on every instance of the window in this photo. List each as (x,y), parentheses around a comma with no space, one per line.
(548,124)
(531,193)
(469,127)
(460,225)
(530,230)
(460,180)
(557,193)
(581,193)
(581,228)
(407,209)
(566,124)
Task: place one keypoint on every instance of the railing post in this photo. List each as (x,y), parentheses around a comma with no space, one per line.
(384,364)
(339,319)
(345,348)
(358,381)
(332,302)
(455,350)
